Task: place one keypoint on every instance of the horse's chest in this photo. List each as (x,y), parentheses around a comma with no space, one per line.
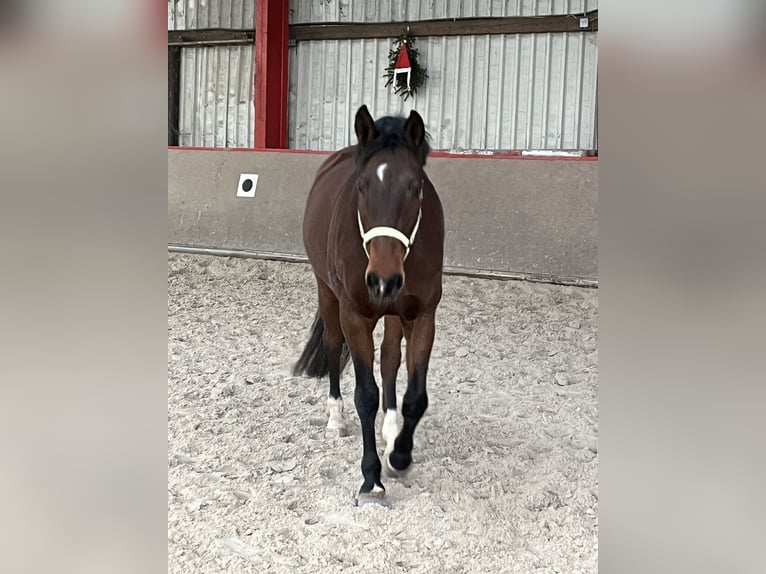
(408,307)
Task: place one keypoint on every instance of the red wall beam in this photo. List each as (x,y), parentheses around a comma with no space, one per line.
(271,35)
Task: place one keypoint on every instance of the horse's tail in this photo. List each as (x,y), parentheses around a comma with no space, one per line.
(313,362)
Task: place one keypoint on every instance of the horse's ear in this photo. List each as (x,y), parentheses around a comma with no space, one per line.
(364,126)
(415,130)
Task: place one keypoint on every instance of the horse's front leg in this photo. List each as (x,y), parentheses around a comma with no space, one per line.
(358,332)
(390,359)
(420,339)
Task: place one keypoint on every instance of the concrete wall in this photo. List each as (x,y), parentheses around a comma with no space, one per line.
(511,217)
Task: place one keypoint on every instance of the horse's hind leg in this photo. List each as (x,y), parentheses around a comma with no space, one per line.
(420,338)
(333,344)
(390,359)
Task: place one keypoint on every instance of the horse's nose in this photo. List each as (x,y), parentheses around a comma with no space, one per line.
(381,289)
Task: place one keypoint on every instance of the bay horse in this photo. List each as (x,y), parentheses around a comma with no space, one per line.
(373,230)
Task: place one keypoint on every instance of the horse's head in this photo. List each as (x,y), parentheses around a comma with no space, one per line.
(389,184)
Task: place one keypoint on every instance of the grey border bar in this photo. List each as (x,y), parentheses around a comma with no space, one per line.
(449,270)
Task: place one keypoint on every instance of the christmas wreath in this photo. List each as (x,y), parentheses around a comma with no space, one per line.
(403,70)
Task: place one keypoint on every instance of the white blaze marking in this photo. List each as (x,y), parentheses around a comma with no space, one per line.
(335,408)
(382,288)
(381,170)
(390,430)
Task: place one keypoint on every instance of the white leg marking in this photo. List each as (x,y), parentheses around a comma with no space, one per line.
(377,489)
(381,170)
(335,408)
(390,430)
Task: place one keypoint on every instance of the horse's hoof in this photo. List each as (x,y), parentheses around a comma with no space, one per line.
(335,431)
(375,497)
(392,472)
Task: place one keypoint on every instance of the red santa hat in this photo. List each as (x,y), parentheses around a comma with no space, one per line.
(403,65)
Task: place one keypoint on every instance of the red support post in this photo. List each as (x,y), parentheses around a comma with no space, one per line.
(271,35)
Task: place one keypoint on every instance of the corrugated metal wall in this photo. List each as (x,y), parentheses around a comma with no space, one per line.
(305,11)
(217,103)
(195,14)
(483,92)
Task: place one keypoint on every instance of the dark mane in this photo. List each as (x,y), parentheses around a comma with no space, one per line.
(390,136)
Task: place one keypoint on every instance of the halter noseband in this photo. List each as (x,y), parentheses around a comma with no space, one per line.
(384,231)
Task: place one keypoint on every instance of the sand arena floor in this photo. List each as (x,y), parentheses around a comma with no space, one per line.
(504,477)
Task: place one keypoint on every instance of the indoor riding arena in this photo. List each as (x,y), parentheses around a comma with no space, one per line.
(504,474)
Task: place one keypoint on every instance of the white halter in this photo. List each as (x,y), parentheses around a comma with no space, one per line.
(383,231)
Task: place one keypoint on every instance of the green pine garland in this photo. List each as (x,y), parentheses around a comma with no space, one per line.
(417,75)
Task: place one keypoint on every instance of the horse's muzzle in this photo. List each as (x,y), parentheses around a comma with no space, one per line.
(382,290)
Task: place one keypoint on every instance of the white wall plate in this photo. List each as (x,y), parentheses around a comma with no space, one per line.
(247,184)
